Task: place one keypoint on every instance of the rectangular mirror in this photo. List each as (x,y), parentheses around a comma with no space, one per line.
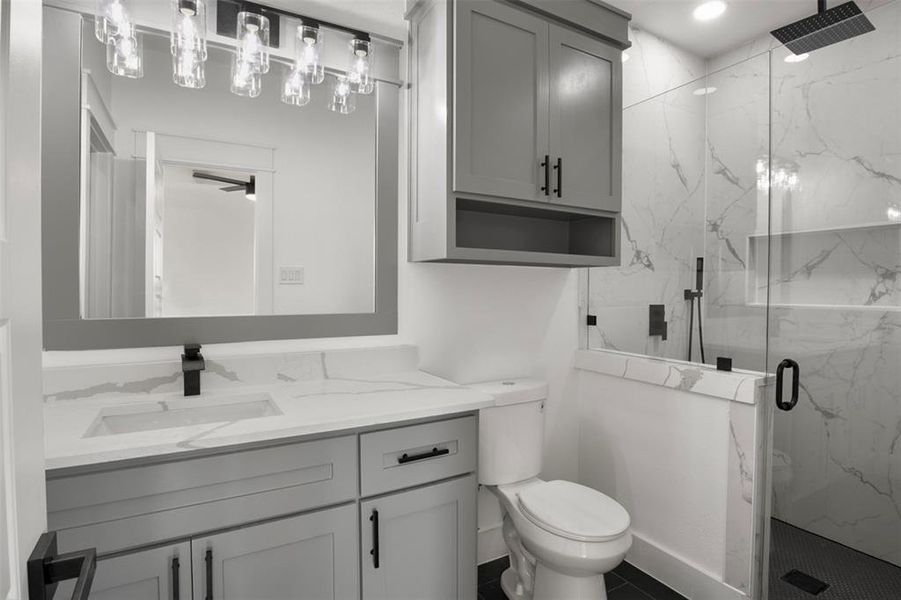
(174,214)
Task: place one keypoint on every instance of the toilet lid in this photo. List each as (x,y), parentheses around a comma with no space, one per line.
(574,511)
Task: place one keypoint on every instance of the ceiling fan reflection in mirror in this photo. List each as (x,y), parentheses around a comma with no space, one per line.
(234,185)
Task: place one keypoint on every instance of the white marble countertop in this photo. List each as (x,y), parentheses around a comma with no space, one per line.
(311,407)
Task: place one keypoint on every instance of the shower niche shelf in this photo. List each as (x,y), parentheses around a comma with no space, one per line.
(849,267)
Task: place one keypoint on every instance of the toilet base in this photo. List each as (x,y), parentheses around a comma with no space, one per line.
(551,585)
(511,587)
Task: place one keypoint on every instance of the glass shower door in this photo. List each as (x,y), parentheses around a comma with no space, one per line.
(834,306)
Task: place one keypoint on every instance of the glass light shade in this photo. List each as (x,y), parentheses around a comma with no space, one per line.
(189,28)
(359,73)
(246,79)
(308,51)
(295,87)
(110,20)
(188,70)
(125,55)
(343,99)
(253,40)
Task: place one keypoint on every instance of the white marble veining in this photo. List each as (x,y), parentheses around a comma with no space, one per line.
(737,386)
(655,66)
(315,393)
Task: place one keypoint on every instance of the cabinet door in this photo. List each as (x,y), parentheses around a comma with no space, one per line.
(500,100)
(310,557)
(159,574)
(586,121)
(421,544)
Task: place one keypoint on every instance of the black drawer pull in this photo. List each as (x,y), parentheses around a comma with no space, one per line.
(375,538)
(209,574)
(405,458)
(547,175)
(176,593)
(559,168)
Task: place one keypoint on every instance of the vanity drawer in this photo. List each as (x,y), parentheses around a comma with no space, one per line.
(125,508)
(409,456)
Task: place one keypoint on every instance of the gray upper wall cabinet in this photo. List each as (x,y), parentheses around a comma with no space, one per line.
(516,132)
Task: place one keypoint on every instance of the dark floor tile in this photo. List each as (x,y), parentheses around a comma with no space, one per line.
(613,581)
(491,571)
(851,575)
(644,582)
(627,591)
(492,591)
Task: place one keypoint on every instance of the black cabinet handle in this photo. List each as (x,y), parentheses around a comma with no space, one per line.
(176,591)
(46,568)
(209,574)
(406,458)
(559,168)
(796,373)
(547,175)
(374,517)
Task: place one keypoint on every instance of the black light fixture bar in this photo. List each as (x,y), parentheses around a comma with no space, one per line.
(227,18)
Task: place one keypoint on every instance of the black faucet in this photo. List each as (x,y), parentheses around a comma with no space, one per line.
(191,365)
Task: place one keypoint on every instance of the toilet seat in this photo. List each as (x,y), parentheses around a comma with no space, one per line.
(573,511)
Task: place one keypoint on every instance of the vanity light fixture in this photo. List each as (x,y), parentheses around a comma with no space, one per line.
(296,87)
(704,91)
(125,53)
(256,28)
(343,99)
(709,10)
(124,46)
(359,71)
(188,43)
(308,51)
(251,58)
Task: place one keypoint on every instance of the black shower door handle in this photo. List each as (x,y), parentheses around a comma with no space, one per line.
(796,374)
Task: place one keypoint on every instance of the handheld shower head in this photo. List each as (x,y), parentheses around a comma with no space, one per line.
(827,27)
(699,274)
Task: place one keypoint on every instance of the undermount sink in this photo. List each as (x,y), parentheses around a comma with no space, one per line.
(182,413)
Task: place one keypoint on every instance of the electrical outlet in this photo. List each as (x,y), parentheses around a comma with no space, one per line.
(290,275)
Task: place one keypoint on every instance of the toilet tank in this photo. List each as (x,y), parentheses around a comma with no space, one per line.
(511,433)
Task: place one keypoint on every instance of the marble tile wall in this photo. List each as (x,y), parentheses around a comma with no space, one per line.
(706,176)
(835,288)
(663,211)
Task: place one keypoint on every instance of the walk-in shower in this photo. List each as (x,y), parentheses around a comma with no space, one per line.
(786,179)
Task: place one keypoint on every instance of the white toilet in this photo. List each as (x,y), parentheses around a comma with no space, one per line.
(562,536)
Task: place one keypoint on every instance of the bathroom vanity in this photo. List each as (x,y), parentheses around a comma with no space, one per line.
(356,485)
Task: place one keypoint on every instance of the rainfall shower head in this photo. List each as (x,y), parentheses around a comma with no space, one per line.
(827,27)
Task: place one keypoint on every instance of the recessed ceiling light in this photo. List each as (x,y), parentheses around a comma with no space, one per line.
(626,56)
(704,91)
(796,58)
(709,10)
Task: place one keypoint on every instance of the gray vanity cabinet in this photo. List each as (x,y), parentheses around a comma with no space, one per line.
(162,573)
(516,131)
(501,100)
(314,556)
(419,544)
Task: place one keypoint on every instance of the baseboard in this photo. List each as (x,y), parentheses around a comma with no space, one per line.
(685,578)
(491,544)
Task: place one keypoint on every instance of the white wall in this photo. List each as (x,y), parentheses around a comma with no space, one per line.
(208,250)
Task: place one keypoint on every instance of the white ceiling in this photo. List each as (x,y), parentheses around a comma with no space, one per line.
(743,21)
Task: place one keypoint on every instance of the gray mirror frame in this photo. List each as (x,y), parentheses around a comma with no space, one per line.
(64,329)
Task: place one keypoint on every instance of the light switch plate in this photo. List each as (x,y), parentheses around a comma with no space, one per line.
(290,275)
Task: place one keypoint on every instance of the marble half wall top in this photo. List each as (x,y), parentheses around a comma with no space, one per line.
(736,386)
